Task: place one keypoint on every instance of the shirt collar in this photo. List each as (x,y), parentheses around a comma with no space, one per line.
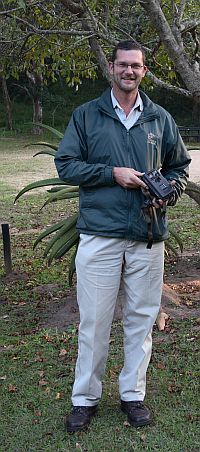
(138,105)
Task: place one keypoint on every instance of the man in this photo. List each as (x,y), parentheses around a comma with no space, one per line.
(108,145)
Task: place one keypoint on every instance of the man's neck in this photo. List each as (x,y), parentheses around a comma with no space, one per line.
(126,100)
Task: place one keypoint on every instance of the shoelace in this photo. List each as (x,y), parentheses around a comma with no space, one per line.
(134,405)
(80,409)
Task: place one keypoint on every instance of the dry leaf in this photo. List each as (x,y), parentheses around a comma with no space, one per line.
(35,421)
(42,382)
(47,390)
(41,373)
(37,413)
(161,320)
(12,388)
(59,395)
(63,352)
(126,424)
(160,366)
(143,437)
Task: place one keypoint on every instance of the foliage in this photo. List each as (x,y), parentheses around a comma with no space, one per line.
(70,38)
(51,55)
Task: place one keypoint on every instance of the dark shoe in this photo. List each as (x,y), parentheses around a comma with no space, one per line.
(138,414)
(80,418)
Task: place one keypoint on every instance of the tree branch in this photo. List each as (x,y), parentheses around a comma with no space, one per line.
(167,86)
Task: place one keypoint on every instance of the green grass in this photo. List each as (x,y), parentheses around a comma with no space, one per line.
(36,377)
(36,384)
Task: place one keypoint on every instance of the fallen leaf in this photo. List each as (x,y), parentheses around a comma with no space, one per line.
(126,424)
(161,320)
(37,413)
(42,382)
(3,377)
(143,437)
(59,395)
(35,421)
(47,390)
(41,373)
(160,365)
(63,352)
(12,388)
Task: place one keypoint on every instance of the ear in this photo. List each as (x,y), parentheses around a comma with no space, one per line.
(110,67)
(145,69)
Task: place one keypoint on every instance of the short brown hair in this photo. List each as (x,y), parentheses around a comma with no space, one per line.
(127,45)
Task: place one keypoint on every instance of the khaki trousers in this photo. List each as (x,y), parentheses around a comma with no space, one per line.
(101,263)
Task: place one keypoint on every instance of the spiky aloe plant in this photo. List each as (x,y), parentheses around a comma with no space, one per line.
(64,232)
(62,235)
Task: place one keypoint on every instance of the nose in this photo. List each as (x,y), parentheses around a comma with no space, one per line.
(129,69)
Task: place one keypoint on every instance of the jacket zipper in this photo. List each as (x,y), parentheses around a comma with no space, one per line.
(129,192)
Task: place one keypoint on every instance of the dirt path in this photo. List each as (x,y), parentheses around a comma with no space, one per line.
(195,166)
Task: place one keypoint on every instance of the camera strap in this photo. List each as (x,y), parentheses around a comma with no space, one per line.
(150,216)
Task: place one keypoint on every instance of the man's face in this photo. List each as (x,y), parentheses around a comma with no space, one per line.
(127,70)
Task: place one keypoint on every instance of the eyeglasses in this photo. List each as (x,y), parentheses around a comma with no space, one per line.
(124,66)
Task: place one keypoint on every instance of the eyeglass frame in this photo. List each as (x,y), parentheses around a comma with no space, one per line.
(124,66)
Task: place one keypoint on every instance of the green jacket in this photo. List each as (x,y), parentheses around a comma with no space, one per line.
(95,141)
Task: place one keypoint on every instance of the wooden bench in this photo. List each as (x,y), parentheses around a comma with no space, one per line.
(6,246)
(190,133)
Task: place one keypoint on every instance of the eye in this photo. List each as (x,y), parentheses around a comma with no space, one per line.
(122,65)
(136,66)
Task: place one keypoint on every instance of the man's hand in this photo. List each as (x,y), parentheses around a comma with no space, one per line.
(128,177)
(157,203)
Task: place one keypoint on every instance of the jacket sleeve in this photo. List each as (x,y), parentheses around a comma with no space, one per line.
(71,157)
(177,159)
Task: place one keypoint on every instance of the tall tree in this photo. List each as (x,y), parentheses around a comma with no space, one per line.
(168,31)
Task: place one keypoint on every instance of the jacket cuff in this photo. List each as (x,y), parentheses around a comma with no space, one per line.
(108,174)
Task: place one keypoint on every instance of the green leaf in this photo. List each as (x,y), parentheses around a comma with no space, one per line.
(72,267)
(40,183)
(62,194)
(22,4)
(49,152)
(171,247)
(62,245)
(51,129)
(63,235)
(177,238)
(48,231)
(67,246)
(43,143)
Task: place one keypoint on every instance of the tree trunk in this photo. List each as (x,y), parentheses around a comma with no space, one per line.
(36,83)
(170,36)
(37,115)
(7,103)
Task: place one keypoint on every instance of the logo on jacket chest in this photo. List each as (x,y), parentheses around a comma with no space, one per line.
(151,138)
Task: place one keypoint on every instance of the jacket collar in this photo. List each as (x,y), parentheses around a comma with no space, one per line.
(105,104)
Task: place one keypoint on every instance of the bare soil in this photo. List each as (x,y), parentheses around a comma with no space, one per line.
(180,298)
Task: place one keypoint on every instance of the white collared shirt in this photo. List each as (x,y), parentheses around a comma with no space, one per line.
(134,114)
